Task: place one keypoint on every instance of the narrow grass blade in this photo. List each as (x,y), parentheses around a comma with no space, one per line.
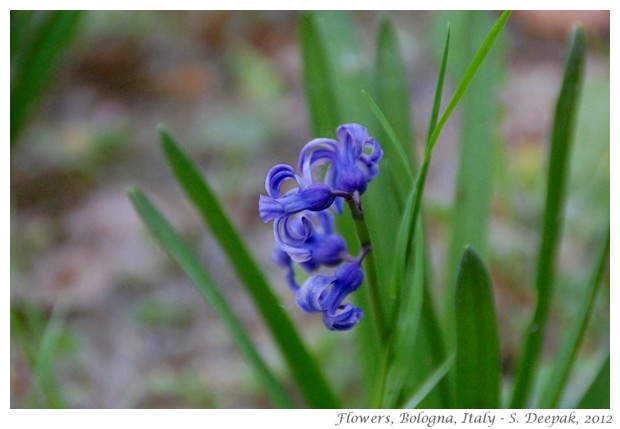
(33,68)
(563,364)
(598,394)
(439,88)
(431,383)
(477,368)
(303,367)
(170,240)
(410,213)
(320,94)
(430,343)
(391,87)
(404,340)
(474,179)
(392,146)
(468,77)
(563,127)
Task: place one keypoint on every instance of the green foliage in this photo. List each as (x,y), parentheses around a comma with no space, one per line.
(303,367)
(409,356)
(566,356)
(176,247)
(477,367)
(561,139)
(38,41)
(597,395)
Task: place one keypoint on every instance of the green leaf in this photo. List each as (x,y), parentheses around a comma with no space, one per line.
(320,94)
(431,383)
(477,369)
(303,367)
(404,340)
(474,179)
(392,92)
(563,364)
(348,64)
(39,45)
(468,77)
(430,343)
(561,139)
(393,151)
(598,394)
(410,213)
(174,245)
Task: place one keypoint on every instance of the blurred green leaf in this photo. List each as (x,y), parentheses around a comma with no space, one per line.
(430,343)
(404,340)
(563,363)
(598,394)
(178,250)
(320,95)
(392,92)
(477,368)
(561,139)
(474,179)
(304,368)
(37,44)
(431,382)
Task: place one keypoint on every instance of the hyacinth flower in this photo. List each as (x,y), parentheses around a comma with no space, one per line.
(352,161)
(326,293)
(307,195)
(309,239)
(304,226)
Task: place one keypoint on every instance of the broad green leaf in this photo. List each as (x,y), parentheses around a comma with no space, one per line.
(563,363)
(561,142)
(478,130)
(318,83)
(598,394)
(178,250)
(477,369)
(392,91)
(349,66)
(38,51)
(303,367)
(431,383)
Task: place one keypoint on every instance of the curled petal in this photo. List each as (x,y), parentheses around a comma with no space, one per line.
(276,176)
(311,294)
(314,198)
(317,152)
(349,278)
(269,208)
(347,317)
(352,137)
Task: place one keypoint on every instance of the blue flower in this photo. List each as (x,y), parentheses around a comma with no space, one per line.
(352,161)
(309,239)
(303,226)
(307,195)
(326,293)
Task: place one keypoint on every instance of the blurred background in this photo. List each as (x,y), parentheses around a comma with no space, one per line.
(100,317)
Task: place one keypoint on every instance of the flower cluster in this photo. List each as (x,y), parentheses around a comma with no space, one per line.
(303,224)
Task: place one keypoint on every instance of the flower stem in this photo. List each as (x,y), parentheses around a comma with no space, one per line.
(363,235)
